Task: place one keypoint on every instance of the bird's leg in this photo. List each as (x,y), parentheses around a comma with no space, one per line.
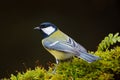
(60,61)
(57,61)
(54,71)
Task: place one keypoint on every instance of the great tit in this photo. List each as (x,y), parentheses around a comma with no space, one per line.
(60,45)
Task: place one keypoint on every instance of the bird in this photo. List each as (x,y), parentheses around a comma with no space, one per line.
(60,45)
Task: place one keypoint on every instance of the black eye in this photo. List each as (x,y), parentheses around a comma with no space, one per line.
(43,26)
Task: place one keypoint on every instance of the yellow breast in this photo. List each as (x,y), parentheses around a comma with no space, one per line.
(60,55)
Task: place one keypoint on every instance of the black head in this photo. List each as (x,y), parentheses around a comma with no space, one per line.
(46,28)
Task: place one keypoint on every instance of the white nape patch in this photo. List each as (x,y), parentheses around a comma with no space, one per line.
(48,30)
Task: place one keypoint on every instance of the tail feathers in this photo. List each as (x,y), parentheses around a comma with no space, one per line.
(88,57)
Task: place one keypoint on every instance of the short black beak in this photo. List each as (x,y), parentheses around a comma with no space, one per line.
(37,28)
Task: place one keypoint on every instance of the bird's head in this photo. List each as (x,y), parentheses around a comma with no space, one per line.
(46,28)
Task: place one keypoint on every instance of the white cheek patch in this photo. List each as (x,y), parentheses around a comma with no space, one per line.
(48,30)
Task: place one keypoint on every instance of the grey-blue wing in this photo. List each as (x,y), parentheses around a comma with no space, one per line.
(59,47)
(69,46)
(76,45)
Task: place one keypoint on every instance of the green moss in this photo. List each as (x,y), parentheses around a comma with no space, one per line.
(108,41)
(108,68)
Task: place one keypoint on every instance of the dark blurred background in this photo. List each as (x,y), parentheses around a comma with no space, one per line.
(86,21)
